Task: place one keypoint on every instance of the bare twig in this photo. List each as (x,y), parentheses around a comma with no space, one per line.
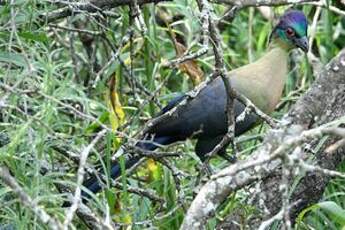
(248,3)
(77,30)
(80,178)
(90,6)
(323,4)
(279,216)
(114,56)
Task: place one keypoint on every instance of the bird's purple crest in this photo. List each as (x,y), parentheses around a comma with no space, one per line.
(292,29)
(296,19)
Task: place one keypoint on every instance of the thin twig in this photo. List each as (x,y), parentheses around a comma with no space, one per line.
(80,178)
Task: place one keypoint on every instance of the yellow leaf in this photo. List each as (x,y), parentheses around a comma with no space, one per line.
(153,168)
(120,214)
(127,219)
(151,165)
(116,113)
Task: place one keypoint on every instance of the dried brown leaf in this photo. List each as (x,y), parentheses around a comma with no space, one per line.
(191,67)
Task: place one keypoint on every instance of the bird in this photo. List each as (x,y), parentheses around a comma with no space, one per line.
(204,118)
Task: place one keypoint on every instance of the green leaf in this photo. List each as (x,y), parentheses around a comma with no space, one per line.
(13,58)
(4,35)
(111,198)
(95,125)
(17,138)
(334,210)
(39,37)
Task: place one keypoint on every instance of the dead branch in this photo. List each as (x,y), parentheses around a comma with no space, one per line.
(91,6)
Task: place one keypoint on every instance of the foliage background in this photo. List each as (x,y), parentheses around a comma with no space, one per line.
(56,83)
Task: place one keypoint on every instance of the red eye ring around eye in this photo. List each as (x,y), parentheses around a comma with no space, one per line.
(290,32)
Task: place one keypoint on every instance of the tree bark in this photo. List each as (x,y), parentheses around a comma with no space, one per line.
(324,102)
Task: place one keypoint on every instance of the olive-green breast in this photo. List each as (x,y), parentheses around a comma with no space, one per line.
(263,80)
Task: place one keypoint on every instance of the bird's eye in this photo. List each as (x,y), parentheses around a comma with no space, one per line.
(290,32)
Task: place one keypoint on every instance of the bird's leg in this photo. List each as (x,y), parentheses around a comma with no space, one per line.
(205,172)
(230,159)
(205,166)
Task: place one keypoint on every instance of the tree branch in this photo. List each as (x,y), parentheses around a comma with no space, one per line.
(92,6)
(248,3)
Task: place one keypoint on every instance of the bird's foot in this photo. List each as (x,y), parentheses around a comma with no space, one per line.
(231,159)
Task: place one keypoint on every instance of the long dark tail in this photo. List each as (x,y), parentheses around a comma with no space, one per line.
(93,183)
